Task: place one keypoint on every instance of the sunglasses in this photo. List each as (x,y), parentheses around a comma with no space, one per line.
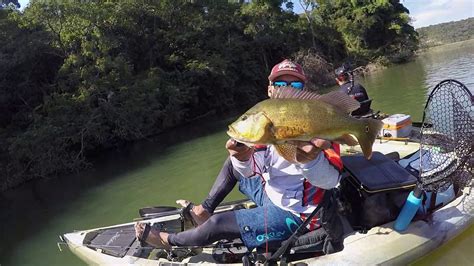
(295,84)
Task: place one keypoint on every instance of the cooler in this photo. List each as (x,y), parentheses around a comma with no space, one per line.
(396,126)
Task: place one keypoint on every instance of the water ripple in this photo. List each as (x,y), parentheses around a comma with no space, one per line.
(405,88)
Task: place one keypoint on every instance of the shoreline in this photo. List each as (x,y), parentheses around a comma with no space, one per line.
(361,71)
(375,66)
(453,45)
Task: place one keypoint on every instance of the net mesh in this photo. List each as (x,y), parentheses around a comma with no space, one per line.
(447,137)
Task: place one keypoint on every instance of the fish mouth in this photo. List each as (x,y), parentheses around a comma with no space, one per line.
(234,134)
(231,132)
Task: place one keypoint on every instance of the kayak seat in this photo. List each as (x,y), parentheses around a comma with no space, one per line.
(113,241)
(329,238)
(363,109)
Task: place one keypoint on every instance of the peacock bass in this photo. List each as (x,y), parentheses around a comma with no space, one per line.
(303,115)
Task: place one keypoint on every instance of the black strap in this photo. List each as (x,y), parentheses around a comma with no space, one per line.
(186,214)
(144,235)
(432,201)
(423,202)
(285,245)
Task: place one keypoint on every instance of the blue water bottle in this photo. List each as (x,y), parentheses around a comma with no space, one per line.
(409,210)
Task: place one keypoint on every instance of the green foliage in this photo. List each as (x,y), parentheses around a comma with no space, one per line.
(371,28)
(446,33)
(78,77)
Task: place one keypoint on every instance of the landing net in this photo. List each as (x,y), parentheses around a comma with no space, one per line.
(447,137)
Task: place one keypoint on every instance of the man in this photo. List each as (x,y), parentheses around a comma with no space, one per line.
(285,193)
(347,85)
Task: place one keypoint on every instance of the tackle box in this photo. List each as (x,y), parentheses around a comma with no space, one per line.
(396,126)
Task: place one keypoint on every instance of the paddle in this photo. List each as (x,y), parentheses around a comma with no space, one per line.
(446,145)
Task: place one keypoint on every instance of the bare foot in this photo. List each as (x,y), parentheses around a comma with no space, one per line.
(199,214)
(155,237)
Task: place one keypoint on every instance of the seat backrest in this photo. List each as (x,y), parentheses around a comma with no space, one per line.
(364,108)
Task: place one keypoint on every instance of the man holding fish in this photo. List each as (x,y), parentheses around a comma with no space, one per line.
(282,160)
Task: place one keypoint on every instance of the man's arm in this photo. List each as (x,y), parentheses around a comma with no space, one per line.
(319,164)
(245,160)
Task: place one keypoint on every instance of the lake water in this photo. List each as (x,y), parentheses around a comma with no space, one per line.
(183,164)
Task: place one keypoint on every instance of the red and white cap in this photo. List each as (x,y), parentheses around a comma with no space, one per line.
(286,67)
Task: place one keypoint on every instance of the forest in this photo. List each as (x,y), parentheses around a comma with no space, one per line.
(445,33)
(81,77)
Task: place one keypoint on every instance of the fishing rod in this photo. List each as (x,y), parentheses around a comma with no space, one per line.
(219,244)
(347,69)
(140,247)
(148,213)
(351,79)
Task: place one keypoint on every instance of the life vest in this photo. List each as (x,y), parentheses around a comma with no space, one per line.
(314,195)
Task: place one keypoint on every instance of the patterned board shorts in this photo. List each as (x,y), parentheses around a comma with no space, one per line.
(267,223)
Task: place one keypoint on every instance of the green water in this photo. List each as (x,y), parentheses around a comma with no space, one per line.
(457,251)
(183,164)
(405,88)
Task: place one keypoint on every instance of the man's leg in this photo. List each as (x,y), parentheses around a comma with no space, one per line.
(219,226)
(267,223)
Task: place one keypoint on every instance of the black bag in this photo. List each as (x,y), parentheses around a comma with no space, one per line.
(329,237)
(325,240)
(374,191)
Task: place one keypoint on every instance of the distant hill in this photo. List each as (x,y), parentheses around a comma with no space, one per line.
(444,33)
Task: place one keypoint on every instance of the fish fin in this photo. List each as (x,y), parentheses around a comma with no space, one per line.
(287,151)
(347,139)
(291,93)
(340,100)
(367,134)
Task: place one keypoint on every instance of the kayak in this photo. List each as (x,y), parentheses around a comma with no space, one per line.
(380,244)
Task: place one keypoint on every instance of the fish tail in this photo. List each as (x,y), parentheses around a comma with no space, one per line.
(367,134)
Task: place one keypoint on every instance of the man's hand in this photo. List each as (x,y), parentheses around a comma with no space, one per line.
(307,151)
(240,151)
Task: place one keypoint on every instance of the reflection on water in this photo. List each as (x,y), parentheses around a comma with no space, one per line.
(405,88)
(450,63)
(175,165)
(399,89)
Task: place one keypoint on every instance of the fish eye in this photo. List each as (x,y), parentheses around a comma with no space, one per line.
(243,118)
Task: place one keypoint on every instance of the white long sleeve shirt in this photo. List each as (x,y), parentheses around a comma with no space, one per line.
(285,181)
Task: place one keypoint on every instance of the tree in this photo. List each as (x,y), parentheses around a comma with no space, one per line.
(446,33)
(371,28)
(76,79)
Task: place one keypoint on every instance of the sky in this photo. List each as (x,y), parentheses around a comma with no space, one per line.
(430,12)
(423,12)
